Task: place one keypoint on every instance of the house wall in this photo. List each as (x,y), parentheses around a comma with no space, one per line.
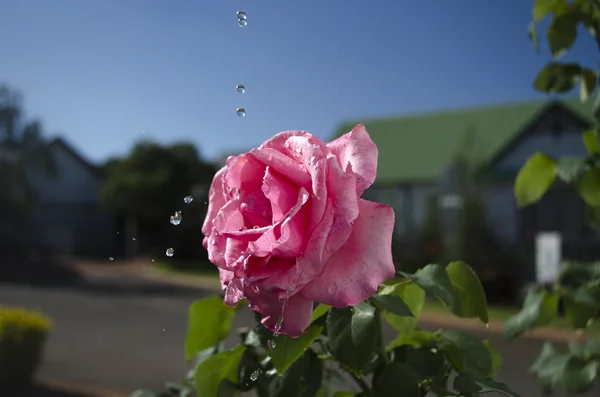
(557,134)
(69,217)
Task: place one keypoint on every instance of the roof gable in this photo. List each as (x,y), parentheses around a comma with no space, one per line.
(94,170)
(417,148)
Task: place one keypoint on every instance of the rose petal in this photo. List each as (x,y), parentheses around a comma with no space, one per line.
(282,195)
(216,200)
(283,164)
(245,173)
(357,154)
(295,319)
(354,272)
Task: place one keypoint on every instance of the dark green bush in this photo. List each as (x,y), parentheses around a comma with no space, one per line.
(23,335)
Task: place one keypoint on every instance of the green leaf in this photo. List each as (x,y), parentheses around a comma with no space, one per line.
(398,379)
(352,335)
(591,349)
(288,349)
(592,217)
(392,304)
(587,84)
(562,32)
(414,338)
(539,309)
(596,109)
(579,311)
(549,367)
(496,359)
(533,35)
(435,281)
(211,372)
(570,168)
(541,8)
(534,179)
(470,384)
(301,379)
(426,362)
(557,78)
(414,297)
(590,140)
(344,394)
(319,311)
(466,352)
(579,375)
(209,322)
(589,187)
(467,292)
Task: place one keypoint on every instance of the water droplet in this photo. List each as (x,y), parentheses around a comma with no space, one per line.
(133,238)
(111,258)
(152,260)
(278,326)
(255,227)
(188,199)
(170,252)
(487,327)
(271,344)
(176,219)
(241,16)
(254,376)
(118,232)
(163,330)
(241,112)
(240,88)
(234,193)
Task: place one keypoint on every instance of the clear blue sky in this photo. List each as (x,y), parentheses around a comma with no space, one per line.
(106,73)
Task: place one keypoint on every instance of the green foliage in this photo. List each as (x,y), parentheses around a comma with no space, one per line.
(288,349)
(23,335)
(538,309)
(205,331)
(211,373)
(534,179)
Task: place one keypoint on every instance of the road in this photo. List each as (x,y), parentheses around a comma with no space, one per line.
(123,334)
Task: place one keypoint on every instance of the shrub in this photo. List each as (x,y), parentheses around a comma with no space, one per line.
(22,337)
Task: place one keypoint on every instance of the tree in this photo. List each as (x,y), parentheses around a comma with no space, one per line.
(149,185)
(23,150)
(578,284)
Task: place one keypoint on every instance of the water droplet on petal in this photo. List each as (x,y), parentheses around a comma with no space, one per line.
(241,112)
(188,199)
(170,252)
(254,376)
(255,227)
(177,218)
(240,88)
(271,344)
(234,193)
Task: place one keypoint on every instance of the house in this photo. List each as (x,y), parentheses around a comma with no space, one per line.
(68,217)
(416,151)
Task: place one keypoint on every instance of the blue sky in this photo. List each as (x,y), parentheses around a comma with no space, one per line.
(106,73)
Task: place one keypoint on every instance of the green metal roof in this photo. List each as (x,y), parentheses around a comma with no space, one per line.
(416,148)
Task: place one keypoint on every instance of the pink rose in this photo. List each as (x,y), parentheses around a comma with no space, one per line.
(286,227)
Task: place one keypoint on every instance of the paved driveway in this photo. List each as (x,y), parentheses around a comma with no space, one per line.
(125,334)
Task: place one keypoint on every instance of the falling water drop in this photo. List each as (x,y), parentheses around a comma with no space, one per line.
(241,112)
(176,219)
(188,199)
(242,19)
(487,327)
(271,344)
(254,376)
(111,258)
(133,238)
(170,252)
(240,88)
